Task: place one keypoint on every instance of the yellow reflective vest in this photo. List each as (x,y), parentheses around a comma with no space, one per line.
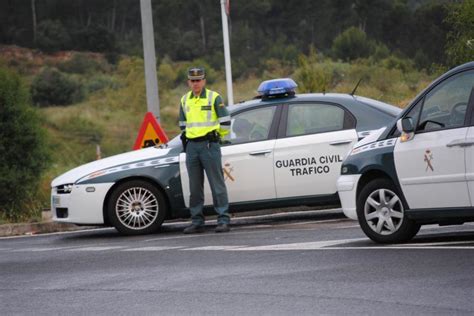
(201,115)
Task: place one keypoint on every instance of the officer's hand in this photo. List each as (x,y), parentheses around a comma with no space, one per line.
(184,140)
(225,142)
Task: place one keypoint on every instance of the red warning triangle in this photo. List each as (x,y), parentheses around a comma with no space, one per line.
(150,133)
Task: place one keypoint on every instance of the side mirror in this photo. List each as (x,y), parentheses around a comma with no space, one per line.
(405,125)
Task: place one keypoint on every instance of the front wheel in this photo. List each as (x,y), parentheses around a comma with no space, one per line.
(136,207)
(381,213)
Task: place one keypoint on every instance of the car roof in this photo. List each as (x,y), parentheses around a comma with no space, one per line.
(369,113)
(340,98)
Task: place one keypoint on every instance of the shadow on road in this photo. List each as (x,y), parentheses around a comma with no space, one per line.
(241,221)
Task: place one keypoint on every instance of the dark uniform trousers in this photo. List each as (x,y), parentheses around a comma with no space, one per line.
(206,156)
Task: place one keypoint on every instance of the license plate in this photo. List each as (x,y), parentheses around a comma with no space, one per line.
(56,201)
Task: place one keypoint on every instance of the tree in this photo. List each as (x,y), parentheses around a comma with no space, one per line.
(52,36)
(460,47)
(33,14)
(23,154)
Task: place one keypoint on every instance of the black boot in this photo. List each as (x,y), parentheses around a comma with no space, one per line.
(222,228)
(194,229)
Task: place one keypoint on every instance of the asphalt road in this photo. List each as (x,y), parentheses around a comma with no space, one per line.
(308,263)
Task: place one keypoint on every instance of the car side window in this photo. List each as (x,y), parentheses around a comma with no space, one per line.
(445,106)
(312,118)
(414,113)
(250,126)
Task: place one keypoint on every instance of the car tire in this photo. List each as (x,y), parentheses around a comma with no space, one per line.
(381,213)
(136,208)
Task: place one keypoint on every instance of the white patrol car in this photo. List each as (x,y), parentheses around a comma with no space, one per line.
(284,149)
(419,169)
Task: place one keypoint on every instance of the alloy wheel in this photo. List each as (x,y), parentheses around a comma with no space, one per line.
(383,211)
(137,208)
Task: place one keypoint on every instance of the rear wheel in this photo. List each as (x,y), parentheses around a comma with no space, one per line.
(381,213)
(136,207)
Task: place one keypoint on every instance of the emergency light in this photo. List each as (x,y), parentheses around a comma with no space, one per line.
(282,87)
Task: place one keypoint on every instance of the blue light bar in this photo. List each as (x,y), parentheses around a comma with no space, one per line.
(277,87)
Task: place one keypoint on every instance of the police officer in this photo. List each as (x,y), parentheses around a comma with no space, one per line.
(204,119)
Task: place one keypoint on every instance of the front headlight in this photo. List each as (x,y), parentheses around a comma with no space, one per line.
(344,170)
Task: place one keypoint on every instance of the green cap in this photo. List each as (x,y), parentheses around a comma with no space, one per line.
(196,73)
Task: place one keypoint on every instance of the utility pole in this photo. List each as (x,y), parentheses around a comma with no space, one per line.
(153,102)
(228,69)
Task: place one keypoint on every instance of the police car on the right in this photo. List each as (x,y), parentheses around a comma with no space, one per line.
(419,169)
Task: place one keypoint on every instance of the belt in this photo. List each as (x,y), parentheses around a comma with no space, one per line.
(199,139)
(211,137)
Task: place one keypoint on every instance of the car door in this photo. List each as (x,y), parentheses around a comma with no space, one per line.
(469,145)
(247,157)
(314,138)
(431,166)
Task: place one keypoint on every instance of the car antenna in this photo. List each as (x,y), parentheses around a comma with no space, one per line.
(355,88)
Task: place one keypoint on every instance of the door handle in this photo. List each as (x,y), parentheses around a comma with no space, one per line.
(465,142)
(261,152)
(341,142)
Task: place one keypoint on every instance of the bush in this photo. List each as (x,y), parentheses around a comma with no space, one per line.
(394,62)
(52,36)
(52,87)
(80,63)
(167,74)
(275,68)
(22,145)
(313,75)
(101,82)
(381,51)
(352,44)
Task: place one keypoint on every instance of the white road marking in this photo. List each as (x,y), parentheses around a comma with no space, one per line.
(151,248)
(442,243)
(214,248)
(341,244)
(400,248)
(338,245)
(346,227)
(302,223)
(96,248)
(300,246)
(316,247)
(40,249)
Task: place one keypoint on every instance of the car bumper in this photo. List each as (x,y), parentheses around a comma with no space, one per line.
(347,189)
(84,205)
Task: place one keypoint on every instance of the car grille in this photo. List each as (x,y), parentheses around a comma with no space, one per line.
(64,189)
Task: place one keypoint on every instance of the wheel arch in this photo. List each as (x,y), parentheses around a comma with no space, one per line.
(369,176)
(375,173)
(132,178)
